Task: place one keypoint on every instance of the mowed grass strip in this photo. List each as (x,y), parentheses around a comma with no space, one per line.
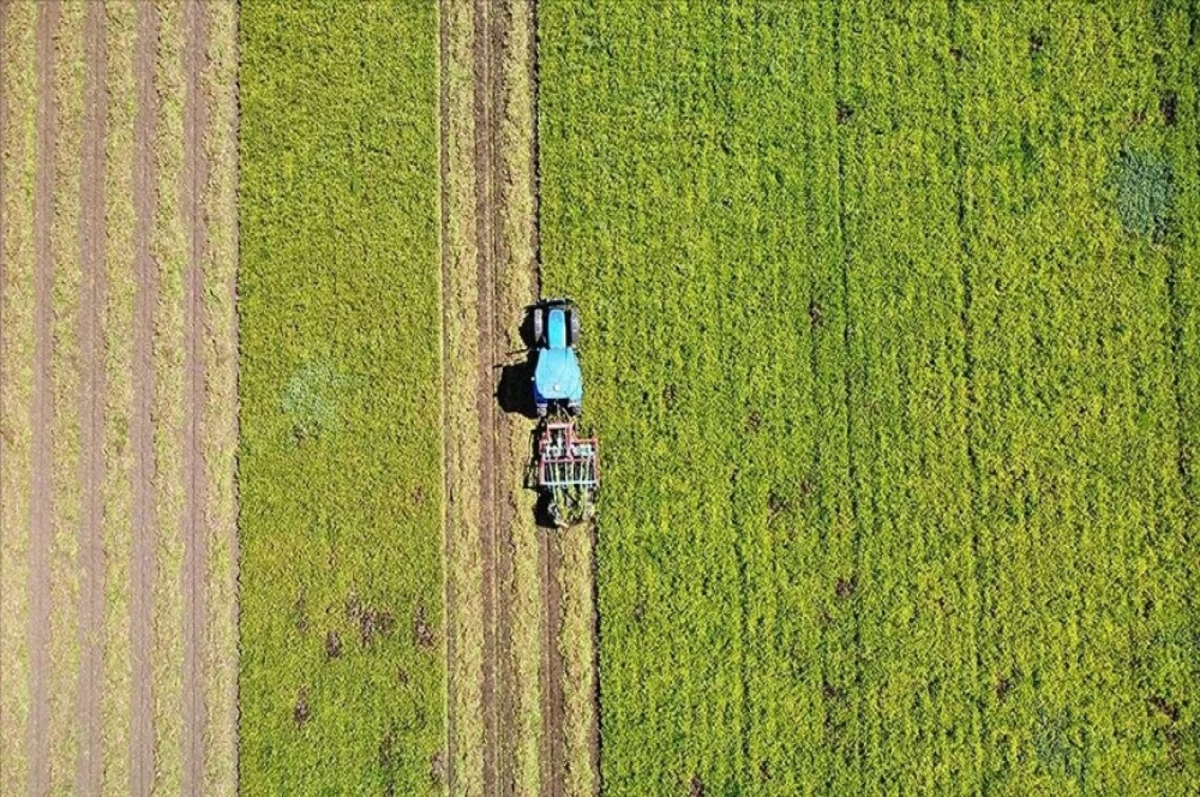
(66,564)
(168,246)
(575,641)
(18,132)
(463,589)
(117,690)
(219,427)
(517,289)
(341,680)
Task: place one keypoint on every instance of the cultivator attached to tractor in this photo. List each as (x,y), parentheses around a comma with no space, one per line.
(566,467)
(568,471)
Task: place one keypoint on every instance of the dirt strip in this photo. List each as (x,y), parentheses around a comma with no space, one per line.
(486,214)
(553,693)
(553,689)
(195,175)
(142,424)
(41,508)
(93,293)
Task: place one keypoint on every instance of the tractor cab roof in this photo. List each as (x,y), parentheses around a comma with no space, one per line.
(557,376)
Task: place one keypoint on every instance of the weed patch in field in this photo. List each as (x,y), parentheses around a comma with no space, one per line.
(1143,185)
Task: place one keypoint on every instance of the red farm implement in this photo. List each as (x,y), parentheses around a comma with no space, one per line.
(567,471)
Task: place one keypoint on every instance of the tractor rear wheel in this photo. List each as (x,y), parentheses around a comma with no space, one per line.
(574,318)
(538,327)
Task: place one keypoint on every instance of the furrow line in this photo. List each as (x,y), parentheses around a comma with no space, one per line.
(93,299)
(145,523)
(484,214)
(41,498)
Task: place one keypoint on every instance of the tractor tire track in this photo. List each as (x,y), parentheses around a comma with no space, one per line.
(487,214)
(42,411)
(93,298)
(195,532)
(553,691)
(141,428)
(553,696)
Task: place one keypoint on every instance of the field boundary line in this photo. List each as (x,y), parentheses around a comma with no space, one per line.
(446,259)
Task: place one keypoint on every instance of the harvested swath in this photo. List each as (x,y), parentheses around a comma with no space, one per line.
(65,565)
(169,246)
(530,638)
(460,354)
(116,701)
(18,115)
(219,431)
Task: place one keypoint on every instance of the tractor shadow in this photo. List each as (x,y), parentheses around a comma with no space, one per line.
(542,515)
(514,392)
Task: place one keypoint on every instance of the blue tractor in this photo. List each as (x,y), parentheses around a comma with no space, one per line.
(566,470)
(557,380)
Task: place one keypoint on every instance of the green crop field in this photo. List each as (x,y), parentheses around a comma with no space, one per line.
(893,334)
(342,676)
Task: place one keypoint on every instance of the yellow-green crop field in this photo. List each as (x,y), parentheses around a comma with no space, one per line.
(894,347)
(342,663)
(891,335)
